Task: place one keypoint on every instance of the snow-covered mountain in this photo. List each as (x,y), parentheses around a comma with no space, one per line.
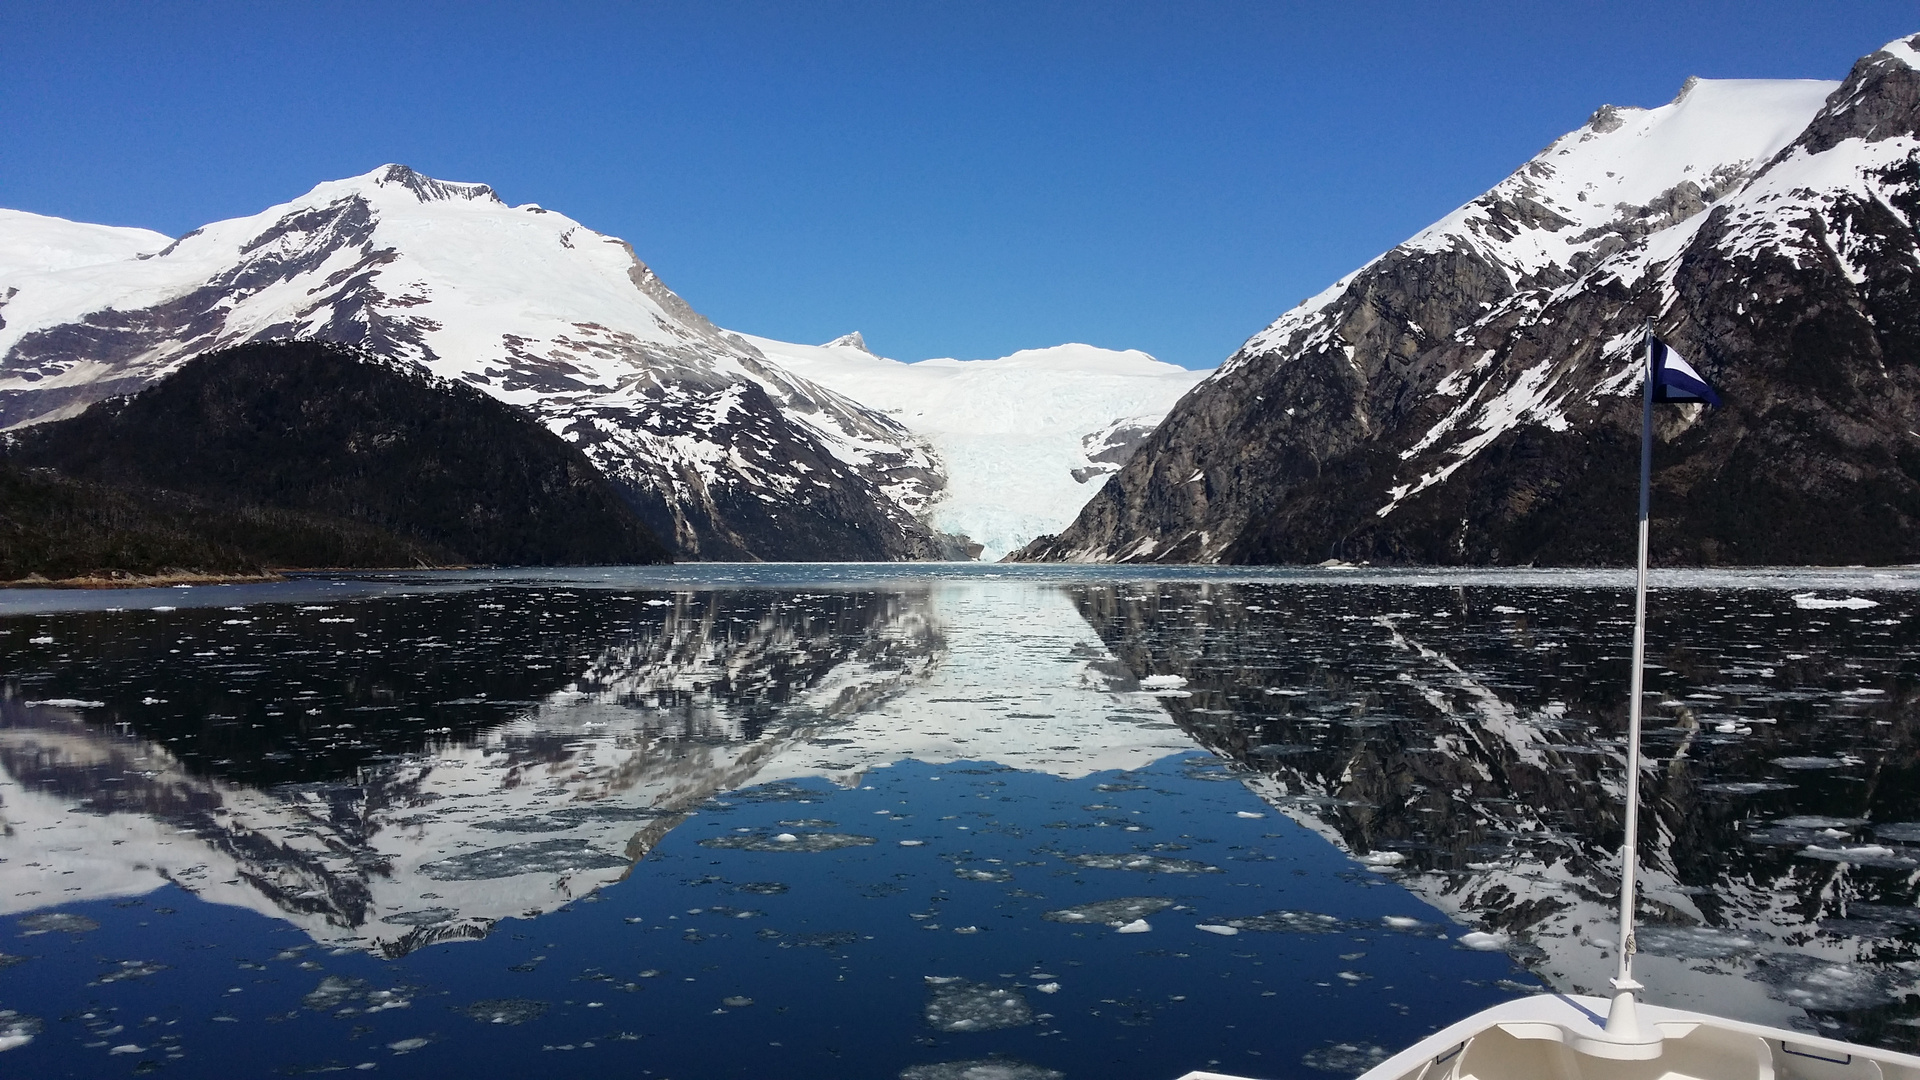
(1472,395)
(725,455)
(1026,439)
(730,447)
(31,244)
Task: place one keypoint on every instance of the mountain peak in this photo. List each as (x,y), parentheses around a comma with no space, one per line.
(1906,50)
(853,341)
(426,188)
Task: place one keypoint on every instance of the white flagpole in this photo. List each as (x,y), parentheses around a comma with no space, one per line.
(1622,1021)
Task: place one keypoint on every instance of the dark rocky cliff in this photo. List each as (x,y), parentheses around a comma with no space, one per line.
(306,453)
(1461,401)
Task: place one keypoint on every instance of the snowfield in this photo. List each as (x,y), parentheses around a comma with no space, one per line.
(1018,435)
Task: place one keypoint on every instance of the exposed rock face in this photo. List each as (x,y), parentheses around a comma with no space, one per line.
(722,453)
(1473,395)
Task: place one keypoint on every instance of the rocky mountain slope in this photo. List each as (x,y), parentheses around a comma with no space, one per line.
(1025,439)
(722,453)
(303,454)
(1472,395)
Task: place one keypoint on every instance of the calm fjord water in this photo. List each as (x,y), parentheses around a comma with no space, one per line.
(890,821)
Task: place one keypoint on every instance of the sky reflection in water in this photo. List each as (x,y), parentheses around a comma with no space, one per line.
(826,821)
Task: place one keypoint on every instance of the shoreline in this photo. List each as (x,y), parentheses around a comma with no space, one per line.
(141,581)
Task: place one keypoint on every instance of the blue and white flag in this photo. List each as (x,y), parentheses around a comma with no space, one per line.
(1674,380)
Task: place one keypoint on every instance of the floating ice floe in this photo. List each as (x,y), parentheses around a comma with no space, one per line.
(1137,926)
(1482,941)
(1162,682)
(1810,601)
(506,1010)
(1217,928)
(969,874)
(819,841)
(1383,858)
(1146,864)
(959,1005)
(1819,821)
(1861,855)
(130,969)
(981,1069)
(57,922)
(1746,787)
(1817,985)
(17,1030)
(1282,921)
(1112,912)
(534,857)
(67,702)
(1807,763)
(1695,942)
(408,1046)
(1248,814)
(1047,987)
(1347,1058)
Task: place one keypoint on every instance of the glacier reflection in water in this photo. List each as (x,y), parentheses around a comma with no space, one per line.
(846,820)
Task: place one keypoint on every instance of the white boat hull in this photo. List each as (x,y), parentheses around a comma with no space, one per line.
(1563,1037)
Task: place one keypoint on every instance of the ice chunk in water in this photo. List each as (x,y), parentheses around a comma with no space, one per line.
(1163,682)
(981,1069)
(130,969)
(1283,921)
(333,991)
(1347,1058)
(424,917)
(1811,602)
(1695,942)
(1807,763)
(969,874)
(1137,926)
(17,1030)
(1815,984)
(815,841)
(960,1005)
(761,888)
(1217,928)
(1483,941)
(1745,787)
(506,1010)
(1146,864)
(1115,912)
(58,922)
(1816,821)
(535,857)
(1861,855)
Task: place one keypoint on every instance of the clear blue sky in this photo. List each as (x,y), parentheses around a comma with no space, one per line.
(953,179)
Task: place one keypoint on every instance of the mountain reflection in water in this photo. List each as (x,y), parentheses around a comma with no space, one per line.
(1469,741)
(393,770)
(498,753)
